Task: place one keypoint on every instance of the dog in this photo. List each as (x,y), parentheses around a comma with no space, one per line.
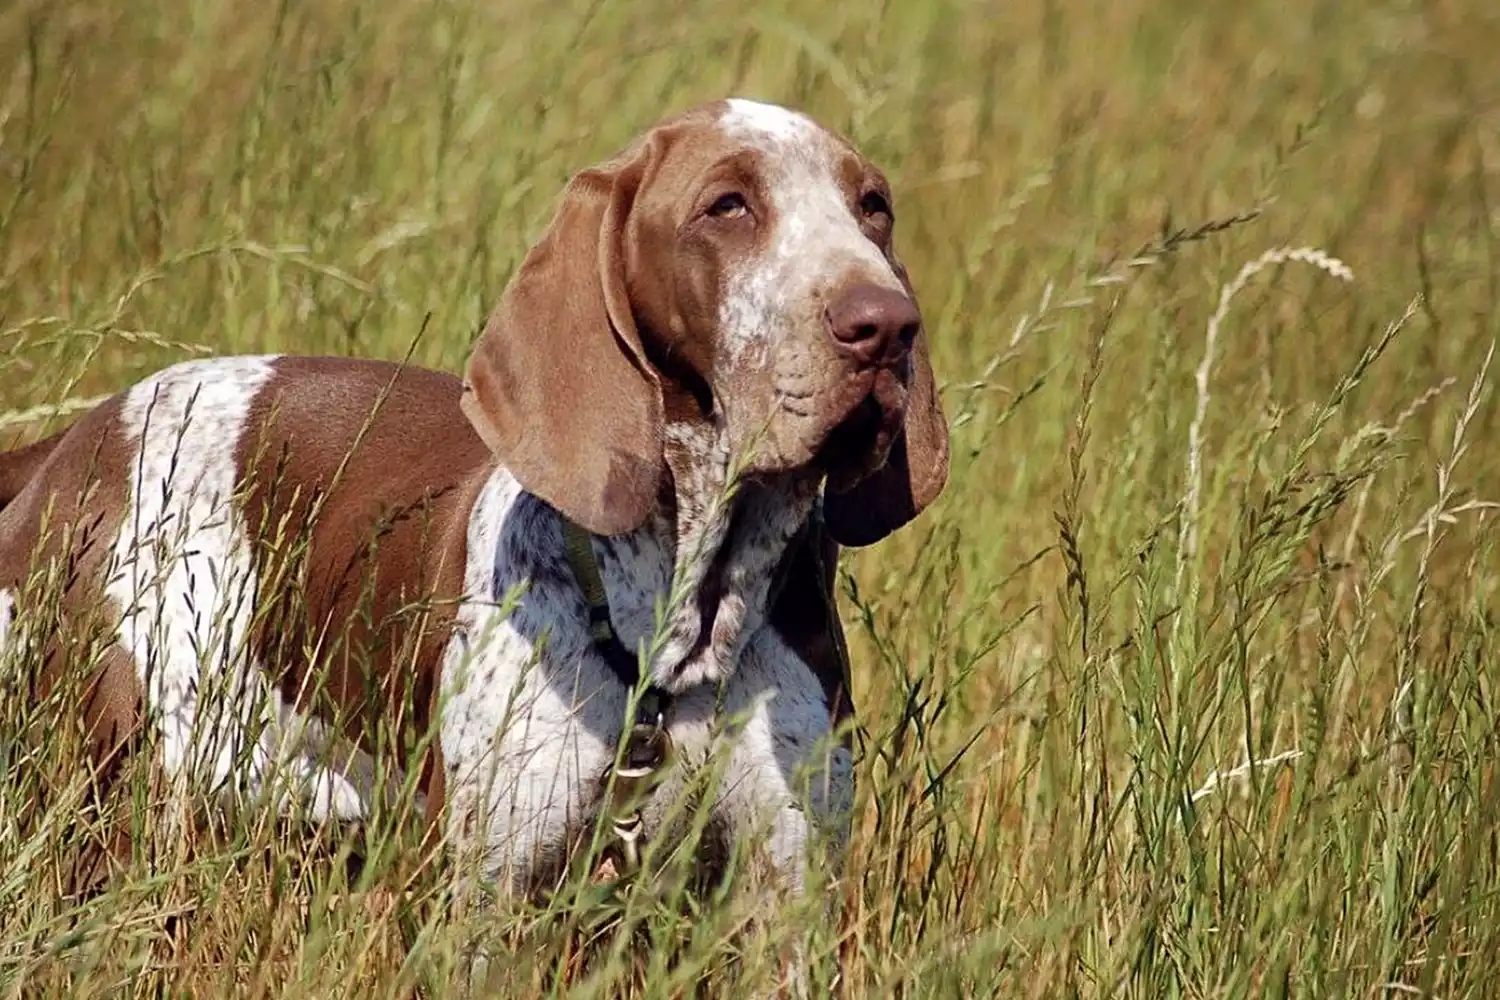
(708,375)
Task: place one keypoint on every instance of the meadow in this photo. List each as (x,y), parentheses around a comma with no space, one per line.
(1188,685)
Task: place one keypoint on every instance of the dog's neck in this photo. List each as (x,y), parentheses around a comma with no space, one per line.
(708,554)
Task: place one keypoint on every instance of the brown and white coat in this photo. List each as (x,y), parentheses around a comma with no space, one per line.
(712,361)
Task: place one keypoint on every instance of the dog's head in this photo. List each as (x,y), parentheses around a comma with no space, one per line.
(734,264)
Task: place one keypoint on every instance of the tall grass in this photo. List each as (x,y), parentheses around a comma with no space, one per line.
(1186,687)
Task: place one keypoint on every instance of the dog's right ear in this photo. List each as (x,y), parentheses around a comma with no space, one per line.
(558,384)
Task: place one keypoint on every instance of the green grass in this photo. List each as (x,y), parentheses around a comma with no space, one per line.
(1186,688)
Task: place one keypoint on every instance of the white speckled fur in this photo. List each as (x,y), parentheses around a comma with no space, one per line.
(7,617)
(813,221)
(644,560)
(771,307)
(528,723)
(647,571)
(183,580)
(530,726)
(784,778)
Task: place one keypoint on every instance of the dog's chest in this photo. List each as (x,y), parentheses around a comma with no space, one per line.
(533,716)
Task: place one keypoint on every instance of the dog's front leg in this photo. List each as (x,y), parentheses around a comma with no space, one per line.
(524,748)
(788,785)
(512,839)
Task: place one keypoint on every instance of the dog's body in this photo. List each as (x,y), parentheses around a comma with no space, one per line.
(329,550)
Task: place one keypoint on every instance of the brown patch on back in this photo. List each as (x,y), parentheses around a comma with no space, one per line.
(56,541)
(359,480)
(19,467)
(58,534)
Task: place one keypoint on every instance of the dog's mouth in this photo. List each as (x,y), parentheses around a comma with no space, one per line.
(854,436)
(858,444)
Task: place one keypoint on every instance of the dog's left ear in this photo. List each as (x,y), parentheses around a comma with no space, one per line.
(915,471)
(558,384)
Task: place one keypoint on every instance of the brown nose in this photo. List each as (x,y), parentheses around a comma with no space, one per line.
(873,323)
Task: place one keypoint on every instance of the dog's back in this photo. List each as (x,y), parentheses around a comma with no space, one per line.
(19,467)
(241,504)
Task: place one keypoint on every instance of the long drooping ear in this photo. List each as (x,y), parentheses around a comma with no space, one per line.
(915,471)
(558,384)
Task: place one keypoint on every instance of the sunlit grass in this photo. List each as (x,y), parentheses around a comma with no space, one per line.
(1185,688)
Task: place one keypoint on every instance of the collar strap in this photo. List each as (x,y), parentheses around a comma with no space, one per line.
(647,744)
(580,550)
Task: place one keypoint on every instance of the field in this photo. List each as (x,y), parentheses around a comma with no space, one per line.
(1188,685)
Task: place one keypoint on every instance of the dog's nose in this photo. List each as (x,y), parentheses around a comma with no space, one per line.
(873,323)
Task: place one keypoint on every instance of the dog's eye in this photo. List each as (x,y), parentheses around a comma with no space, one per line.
(873,203)
(728,206)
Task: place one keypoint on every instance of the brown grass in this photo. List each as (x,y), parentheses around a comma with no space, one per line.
(1048,672)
